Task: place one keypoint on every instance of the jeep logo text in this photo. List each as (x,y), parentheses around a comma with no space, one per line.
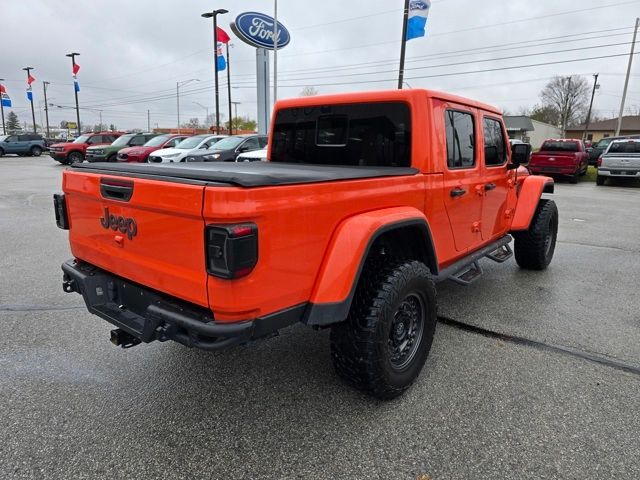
(119,224)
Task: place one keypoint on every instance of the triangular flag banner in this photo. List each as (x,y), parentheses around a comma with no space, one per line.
(223,37)
(31,79)
(417,22)
(76,69)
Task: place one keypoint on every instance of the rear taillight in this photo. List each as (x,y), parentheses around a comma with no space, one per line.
(232,250)
(599,161)
(60,209)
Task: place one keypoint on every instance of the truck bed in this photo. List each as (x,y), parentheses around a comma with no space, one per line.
(245,174)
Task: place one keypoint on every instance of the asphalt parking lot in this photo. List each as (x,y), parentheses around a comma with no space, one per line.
(74,406)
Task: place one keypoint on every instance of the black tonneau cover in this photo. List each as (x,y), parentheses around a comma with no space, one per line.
(246,174)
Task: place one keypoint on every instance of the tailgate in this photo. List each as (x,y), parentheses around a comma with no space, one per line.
(621,161)
(553,159)
(148,231)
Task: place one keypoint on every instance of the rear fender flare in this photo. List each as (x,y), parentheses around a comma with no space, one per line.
(529,196)
(346,254)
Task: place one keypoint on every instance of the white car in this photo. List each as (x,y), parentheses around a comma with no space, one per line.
(253,156)
(184,148)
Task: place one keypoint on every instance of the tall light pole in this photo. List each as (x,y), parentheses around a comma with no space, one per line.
(275,51)
(33,112)
(214,15)
(593,94)
(46,107)
(206,110)
(178,85)
(4,129)
(73,56)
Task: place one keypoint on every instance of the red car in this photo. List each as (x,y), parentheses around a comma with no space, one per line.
(74,152)
(140,154)
(560,157)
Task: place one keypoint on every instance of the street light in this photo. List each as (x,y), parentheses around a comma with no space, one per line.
(214,15)
(46,108)
(4,128)
(73,56)
(206,109)
(178,85)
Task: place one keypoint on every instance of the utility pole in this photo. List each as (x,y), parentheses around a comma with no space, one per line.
(4,129)
(33,112)
(626,81)
(214,15)
(403,47)
(229,90)
(235,104)
(46,107)
(275,51)
(593,94)
(148,121)
(75,89)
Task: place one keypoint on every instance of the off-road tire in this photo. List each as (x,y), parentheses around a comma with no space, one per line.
(600,180)
(35,151)
(534,248)
(573,179)
(75,157)
(361,347)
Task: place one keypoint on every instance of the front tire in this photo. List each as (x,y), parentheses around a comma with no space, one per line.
(600,180)
(1,152)
(36,151)
(75,157)
(534,248)
(384,343)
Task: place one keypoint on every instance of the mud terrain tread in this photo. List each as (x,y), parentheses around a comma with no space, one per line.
(529,245)
(356,343)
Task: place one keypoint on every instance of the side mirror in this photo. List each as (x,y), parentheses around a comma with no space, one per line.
(243,149)
(520,154)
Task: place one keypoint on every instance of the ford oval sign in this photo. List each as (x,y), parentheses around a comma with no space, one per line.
(256,29)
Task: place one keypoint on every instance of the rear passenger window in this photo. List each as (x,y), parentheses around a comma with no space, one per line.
(23,138)
(138,141)
(360,134)
(263,141)
(495,152)
(460,139)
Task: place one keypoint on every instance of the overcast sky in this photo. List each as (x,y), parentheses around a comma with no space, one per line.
(134,52)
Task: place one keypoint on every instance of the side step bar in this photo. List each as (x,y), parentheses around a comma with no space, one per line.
(466,270)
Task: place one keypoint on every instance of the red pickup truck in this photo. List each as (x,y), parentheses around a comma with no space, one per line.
(566,157)
(367,201)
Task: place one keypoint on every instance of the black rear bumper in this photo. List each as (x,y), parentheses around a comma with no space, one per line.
(149,315)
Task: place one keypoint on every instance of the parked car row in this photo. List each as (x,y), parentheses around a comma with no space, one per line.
(158,148)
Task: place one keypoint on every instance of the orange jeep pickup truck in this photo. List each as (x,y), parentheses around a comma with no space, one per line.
(367,201)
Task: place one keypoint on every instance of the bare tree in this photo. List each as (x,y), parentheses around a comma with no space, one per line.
(309,92)
(568,97)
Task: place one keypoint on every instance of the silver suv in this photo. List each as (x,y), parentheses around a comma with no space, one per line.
(620,159)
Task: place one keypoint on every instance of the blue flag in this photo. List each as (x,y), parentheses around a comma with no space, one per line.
(6,100)
(76,85)
(29,94)
(417,22)
(221,62)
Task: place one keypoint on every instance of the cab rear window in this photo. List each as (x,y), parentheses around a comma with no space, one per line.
(624,147)
(560,147)
(366,134)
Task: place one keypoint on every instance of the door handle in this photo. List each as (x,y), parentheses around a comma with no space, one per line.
(458,192)
(490,186)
